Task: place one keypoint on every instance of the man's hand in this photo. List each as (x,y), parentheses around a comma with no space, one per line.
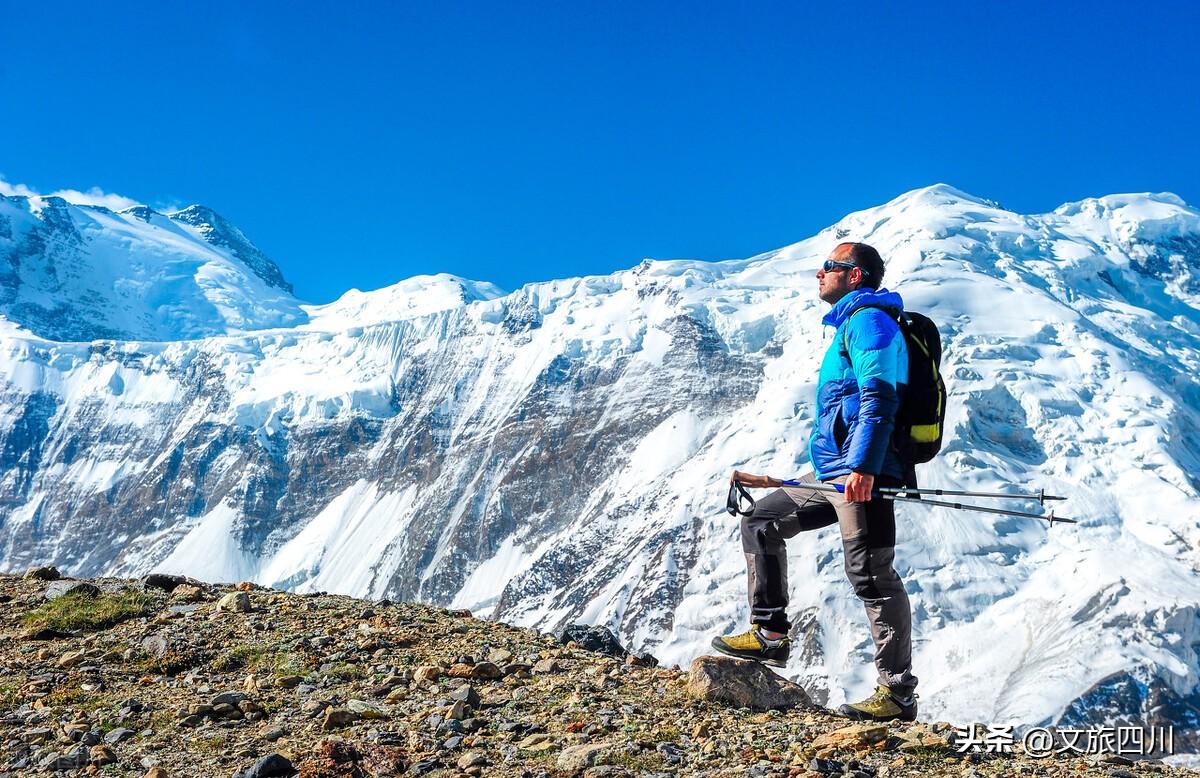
(754,481)
(859,486)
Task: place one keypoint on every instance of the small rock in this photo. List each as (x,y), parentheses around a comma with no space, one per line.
(499,657)
(43,573)
(155,646)
(270,766)
(156,772)
(593,638)
(187,593)
(467,695)
(273,733)
(162,581)
(64,587)
(382,759)
(227,698)
(101,755)
(642,660)
(853,738)
(471,759)
(486,671)
(365,709)
(550,665)
(574,759)
(71,659)
(289,681)
(338,717)
(117,735)
(238,602)
(826,766)
(671,753)
(75,760)
(426,674)
(741,683)
(226,711)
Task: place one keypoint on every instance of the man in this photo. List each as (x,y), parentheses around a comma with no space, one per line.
(862,380)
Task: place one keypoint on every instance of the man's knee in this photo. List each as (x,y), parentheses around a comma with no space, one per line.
(871,573)
(758,535)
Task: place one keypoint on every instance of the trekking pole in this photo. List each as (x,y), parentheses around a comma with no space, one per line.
(892,494)
(734,506)
(1040,495)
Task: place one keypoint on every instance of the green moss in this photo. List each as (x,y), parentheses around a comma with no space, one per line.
(347,672)
(260,659)
(73,612)
(8,694)
(212,744)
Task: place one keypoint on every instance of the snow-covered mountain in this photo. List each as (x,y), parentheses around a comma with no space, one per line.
(84,272)
(560,453)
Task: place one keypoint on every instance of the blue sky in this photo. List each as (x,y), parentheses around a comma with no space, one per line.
(362,143)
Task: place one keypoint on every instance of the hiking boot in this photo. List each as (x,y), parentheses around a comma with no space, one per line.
(752,644)
(881,706)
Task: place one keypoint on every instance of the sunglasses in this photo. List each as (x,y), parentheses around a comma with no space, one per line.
(831,265)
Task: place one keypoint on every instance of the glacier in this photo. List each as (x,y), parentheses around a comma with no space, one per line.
(560,453)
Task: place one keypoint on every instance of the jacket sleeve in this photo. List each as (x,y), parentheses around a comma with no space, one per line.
(875,347)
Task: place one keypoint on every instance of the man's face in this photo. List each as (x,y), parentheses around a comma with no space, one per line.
(837,282)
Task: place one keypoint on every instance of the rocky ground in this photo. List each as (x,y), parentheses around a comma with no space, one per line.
(166,677)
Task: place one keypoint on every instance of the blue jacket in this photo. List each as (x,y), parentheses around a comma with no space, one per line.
(862,380)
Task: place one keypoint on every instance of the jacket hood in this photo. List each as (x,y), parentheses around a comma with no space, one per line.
(859,298)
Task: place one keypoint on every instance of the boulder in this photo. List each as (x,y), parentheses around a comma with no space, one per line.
(741,683)
(270,766)
(63,587)
(163,581)
(856,737)
(576,759)
(592,638)
(239,602)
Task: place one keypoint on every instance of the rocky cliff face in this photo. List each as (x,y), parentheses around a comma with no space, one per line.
(560,453)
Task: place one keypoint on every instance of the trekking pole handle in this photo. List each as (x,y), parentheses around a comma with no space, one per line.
(755,481)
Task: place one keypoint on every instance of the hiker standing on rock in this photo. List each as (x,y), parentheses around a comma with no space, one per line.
(862,380)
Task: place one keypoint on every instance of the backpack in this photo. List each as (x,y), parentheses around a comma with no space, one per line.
(917,436)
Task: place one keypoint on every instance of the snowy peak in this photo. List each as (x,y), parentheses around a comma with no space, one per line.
(223,234)
(81,272)
(411,298)
(938,195)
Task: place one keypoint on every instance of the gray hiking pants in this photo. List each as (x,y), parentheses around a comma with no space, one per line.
(869,544)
